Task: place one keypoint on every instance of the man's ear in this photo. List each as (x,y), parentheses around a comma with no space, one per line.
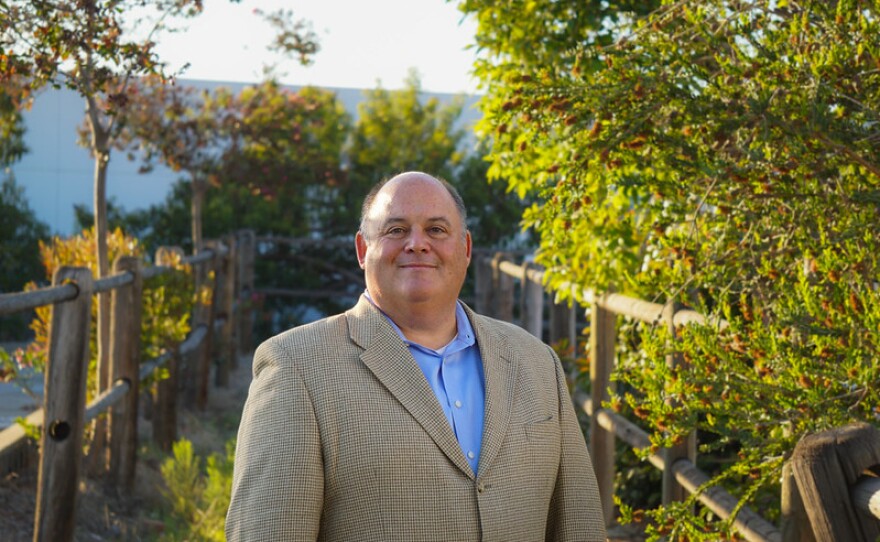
(360,246)
(468,243)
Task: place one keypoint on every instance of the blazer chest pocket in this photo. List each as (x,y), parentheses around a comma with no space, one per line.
(542,430)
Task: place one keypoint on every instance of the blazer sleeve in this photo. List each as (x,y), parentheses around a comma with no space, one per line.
(575,509)
(278,480)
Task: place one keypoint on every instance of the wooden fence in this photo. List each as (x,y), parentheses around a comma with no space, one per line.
(65,413)
(849,512)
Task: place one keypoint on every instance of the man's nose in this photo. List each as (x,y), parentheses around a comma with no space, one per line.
(417,241)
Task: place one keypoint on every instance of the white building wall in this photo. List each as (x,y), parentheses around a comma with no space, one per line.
(58,174)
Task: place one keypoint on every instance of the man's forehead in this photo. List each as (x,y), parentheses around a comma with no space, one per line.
(383,201)
(412,190)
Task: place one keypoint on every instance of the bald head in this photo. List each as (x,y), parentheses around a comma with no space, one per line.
(375,192)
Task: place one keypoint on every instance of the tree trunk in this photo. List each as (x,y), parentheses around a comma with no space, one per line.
(102,158)
(101,151)
(198,202)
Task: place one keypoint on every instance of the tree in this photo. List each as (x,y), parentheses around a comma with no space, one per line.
(12,145)
(95,48)
(20,230)
(722,155)
(178,126)
(286,146)
(494,213)
(20,234)
(194,131)
(398,131)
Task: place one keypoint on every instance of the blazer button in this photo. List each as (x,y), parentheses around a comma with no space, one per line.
(480,487)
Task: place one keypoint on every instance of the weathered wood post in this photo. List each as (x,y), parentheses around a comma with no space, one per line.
(532,301)
(603,336)
(190,369)
(64,406)
(794,524)
(687,449)
(208,303)
(225,309)
(125,347)
(482,284)
(246,243)
(502,289)
(165,405)
(826,466)
(562,324)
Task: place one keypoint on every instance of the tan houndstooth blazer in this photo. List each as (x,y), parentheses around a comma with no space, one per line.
(342,439)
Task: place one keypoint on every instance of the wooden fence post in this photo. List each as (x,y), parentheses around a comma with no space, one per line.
(227,355)
(125,347)
(794,524)
(246,252)
(532,302)
(826,465)
(502,290)
(603,337)
(687,449)
(165,405)
(203,354)
(562,324)
(483,285)
(64,406)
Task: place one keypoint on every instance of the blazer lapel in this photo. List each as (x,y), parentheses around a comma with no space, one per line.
(388,358)
(499,369)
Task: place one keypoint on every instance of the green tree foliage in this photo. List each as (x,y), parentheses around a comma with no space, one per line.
(20,234)
(179,127)
(722,155)
(396,131)
(12,145)
(493,212)
(285,146)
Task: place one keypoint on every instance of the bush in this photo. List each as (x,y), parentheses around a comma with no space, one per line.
(197,499)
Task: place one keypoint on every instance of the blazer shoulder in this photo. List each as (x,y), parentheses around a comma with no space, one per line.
(319,330)
(507,330)
(296,344)
(512,334)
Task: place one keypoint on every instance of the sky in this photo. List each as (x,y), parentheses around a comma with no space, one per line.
(363,43)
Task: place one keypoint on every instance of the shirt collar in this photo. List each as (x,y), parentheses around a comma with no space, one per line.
(464,336)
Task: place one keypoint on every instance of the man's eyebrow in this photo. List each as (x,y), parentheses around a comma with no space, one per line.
(399,220)
(392,220)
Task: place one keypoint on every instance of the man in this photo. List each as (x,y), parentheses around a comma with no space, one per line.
(410,417)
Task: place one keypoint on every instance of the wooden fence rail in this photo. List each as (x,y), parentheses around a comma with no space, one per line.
(495,294)
(64,414)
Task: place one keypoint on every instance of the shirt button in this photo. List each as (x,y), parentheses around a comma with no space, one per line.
(470,455)
(458,404)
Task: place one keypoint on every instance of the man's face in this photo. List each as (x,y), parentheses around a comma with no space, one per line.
(416,250)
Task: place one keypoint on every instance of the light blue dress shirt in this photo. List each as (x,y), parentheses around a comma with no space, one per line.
(455,374)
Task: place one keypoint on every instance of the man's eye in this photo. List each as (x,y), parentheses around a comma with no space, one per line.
(395,232)
(437,230)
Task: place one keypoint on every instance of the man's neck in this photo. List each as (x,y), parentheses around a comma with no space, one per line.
(430,328)
(433,336)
